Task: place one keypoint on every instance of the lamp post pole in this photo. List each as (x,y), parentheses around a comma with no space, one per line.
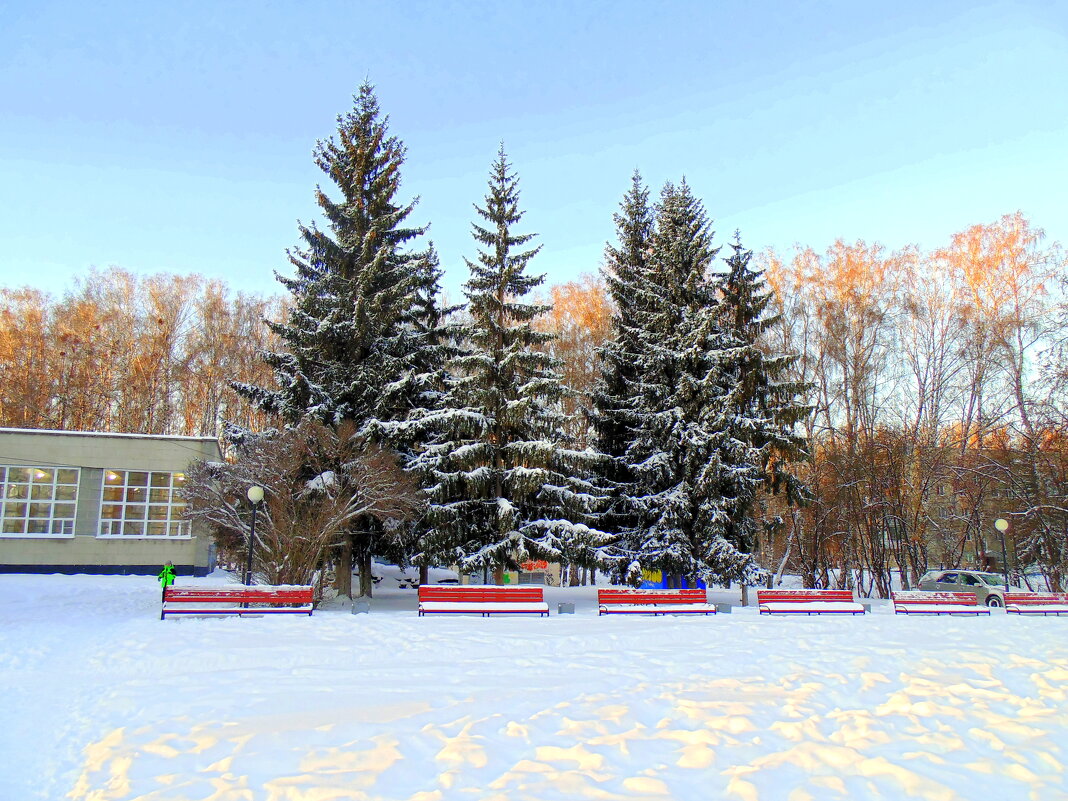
(255,497)
(1002,525)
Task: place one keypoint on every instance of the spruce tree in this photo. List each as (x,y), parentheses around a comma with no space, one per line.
(423,392)
(761,409)
(681,452)
(350,346)
(613,413)
(507,487)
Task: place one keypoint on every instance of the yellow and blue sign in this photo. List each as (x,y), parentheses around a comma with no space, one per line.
(656,580)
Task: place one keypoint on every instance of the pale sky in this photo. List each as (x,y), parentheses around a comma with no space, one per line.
(177,137)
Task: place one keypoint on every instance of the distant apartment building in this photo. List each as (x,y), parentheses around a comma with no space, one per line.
(87,502)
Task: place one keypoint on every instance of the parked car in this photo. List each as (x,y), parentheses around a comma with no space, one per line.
(989,588)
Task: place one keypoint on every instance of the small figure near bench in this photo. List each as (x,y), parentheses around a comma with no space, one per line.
(166,577)
(619,601)
(920,602)
(808,602)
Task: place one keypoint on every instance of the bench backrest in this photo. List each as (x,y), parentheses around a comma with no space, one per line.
(481,594)
(907,597)
(631,596)
(1026,598)
(239,594)
(803,596)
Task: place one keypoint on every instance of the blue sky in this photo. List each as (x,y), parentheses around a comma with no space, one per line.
(177,137)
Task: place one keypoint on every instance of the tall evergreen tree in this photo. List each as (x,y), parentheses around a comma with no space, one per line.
(681,455)
(614,398)
(423,392)
(350,343)
(761,409)
(507,488)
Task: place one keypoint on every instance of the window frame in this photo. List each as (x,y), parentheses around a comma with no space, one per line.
(67,523)
(106,525)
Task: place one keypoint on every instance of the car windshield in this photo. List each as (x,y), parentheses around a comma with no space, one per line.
(993,579)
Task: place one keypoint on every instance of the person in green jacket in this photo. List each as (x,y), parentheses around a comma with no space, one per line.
(166,576)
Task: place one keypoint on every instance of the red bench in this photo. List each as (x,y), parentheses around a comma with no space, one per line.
(285,599)
(1036,603)
(481,600)
(808,602)
(918,602)
(653,602)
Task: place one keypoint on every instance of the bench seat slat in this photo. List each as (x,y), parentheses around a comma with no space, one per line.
(482,600)
(789,596)
(812,608)
(283,599)
(1036,597)
(673,608)
(464,606)
(240,610)
(650,596)
(1037,609)
(924,602)
(940,609)
(244,598)
(624,601)
(1036,603)
(808,602)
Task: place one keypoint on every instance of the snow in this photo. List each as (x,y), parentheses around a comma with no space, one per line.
(323,482)
(102,701)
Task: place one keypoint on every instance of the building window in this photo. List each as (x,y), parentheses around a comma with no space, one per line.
(38,501)
(140,503)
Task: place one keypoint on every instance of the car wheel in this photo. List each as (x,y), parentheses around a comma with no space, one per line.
(994,601)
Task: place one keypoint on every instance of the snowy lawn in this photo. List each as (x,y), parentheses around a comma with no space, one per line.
(102,700)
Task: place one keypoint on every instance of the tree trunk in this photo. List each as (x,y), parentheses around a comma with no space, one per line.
(777,578)
(343,569)
(365,572)
(424,574)
(498,576)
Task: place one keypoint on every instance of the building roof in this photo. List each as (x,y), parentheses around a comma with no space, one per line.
(105,434)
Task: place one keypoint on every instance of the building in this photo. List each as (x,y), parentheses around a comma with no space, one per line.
(87,502)
(535,571)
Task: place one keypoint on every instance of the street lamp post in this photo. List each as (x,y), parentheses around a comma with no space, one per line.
(255,497)
(1002,525)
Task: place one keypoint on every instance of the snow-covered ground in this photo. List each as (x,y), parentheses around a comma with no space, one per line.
(101,701)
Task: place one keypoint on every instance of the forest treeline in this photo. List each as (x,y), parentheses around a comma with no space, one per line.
(126,353)
(936,380)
